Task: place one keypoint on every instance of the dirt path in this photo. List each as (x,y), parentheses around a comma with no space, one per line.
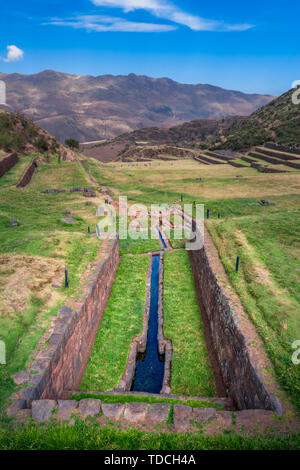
(90,178)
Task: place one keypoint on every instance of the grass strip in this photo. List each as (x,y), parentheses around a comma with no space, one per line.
(122,321)
(191,369)
(85,436)
(148,399)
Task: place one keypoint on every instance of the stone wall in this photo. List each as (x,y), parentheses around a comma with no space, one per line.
(26,178)
(60,367)
(243,380)
(8,162)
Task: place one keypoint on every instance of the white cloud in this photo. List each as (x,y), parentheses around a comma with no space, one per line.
(14,54)
(167,10)
(101,23)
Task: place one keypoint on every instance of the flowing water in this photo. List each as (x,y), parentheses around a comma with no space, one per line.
(150,366)
(162,240)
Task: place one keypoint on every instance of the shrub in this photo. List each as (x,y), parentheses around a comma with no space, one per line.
(42,144)
(72,143)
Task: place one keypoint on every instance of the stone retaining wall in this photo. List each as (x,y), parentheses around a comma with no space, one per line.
(8,162)
(160,417)
(244,382)
(60,366)
(26,178)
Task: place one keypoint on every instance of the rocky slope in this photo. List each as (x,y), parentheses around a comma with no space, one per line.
(91,108)
(19,133)
(278,121)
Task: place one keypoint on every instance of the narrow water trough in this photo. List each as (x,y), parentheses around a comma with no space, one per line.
(162,239)
(150,367)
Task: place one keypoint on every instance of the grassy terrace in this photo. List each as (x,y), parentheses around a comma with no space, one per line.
(33,256)
(246,228)
(122,321)
(62,175)
(12,177)
(268,281)
(164,182)
(147,399)
(191,371)
(140,245)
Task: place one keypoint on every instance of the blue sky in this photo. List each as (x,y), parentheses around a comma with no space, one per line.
(251,46)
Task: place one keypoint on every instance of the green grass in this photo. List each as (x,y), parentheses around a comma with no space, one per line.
(64,175)
(191,370)
(166,182)
(134,247)
(272,242)
(147,399)
(12,177)
(84,436)
(122,321)
(44,238)
(268,282)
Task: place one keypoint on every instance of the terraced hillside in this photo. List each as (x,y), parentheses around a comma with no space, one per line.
(277,122)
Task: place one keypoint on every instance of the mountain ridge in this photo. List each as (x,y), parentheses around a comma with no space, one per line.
(277,121)
(88,107)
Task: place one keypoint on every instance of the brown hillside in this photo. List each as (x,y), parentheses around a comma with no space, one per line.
(91,108)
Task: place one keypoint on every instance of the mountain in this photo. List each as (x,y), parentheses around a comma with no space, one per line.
(19,133)
(91,108)
(277,122)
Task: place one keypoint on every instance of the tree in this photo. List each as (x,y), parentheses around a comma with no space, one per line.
(42,144)
(72,143)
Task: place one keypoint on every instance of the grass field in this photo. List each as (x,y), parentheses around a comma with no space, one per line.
(267,282)
(266,238)
(62,175)
(84,436)
(33,257)
(191,371)
(140,245)
(12,177)
(165,182)
(122,321)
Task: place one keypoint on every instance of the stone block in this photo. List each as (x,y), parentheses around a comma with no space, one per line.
(136,412)
(89,407)
(42,410)
(65,409)
(203,415)
(68,220)
(159,412)
(13,222)
(182,416)
(15,407)
(113,411)
(21,378)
